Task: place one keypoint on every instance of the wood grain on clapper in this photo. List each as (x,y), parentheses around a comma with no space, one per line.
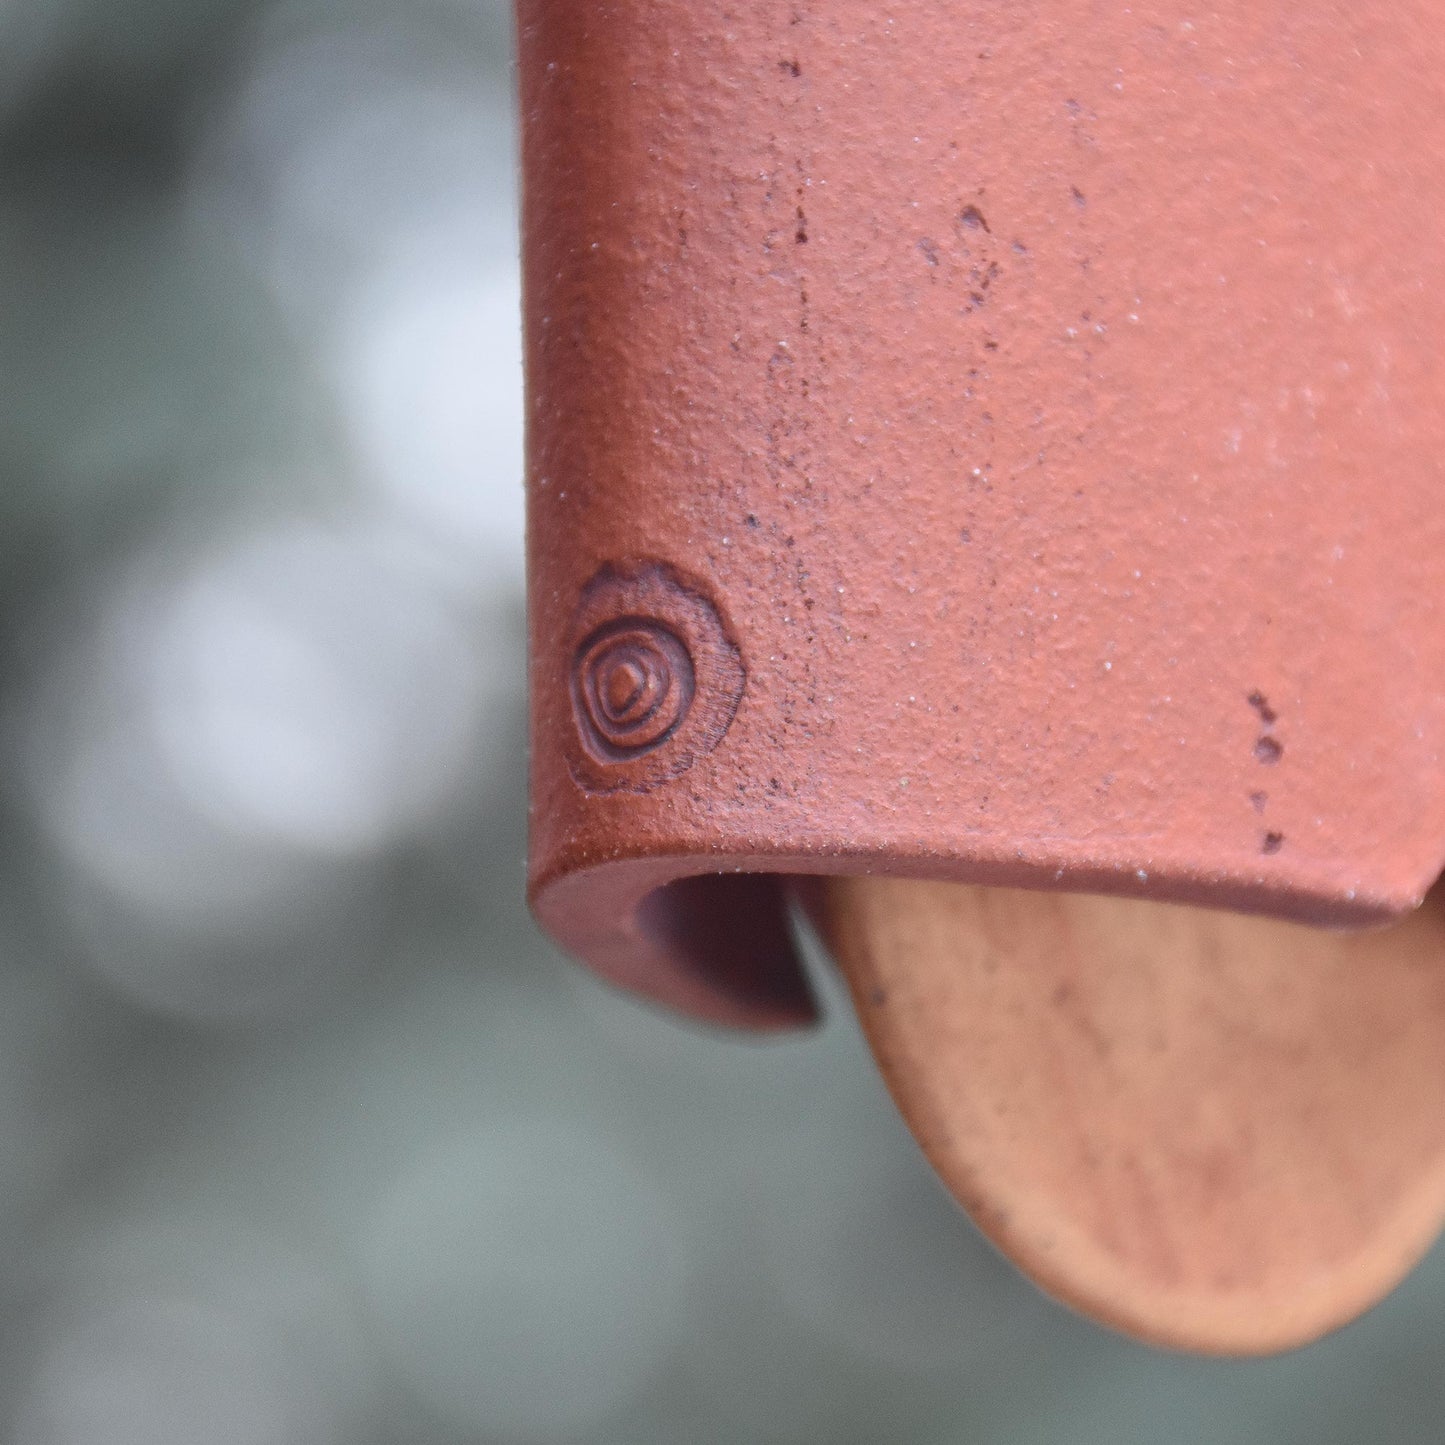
(1213,1132)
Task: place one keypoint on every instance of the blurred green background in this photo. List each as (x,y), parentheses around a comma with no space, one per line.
(308,1137)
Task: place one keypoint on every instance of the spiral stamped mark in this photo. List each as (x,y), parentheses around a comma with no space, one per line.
(636,685)
(656,679)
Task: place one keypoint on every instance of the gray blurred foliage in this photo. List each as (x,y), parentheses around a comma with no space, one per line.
(308,1136)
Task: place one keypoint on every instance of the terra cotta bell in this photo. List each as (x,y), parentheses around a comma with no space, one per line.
(985,474)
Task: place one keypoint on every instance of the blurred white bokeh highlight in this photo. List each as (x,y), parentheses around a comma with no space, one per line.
(315,685)
(245,727)
(529,1277)
(427,360)
(370,183)
(336,149)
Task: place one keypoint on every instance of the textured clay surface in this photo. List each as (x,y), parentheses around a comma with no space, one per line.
(988,443)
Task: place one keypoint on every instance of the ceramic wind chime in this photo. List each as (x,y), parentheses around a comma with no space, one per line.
(986,476)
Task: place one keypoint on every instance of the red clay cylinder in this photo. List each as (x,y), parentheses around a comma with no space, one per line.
(978,442)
